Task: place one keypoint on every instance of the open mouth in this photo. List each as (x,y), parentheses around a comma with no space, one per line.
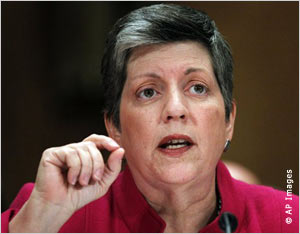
(175,142)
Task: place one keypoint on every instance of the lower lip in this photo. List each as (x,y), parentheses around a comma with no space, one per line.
(176,153)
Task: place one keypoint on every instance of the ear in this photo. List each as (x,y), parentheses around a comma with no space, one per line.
(112,130)
(231,121)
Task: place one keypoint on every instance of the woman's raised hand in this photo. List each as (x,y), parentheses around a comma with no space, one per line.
(68,178)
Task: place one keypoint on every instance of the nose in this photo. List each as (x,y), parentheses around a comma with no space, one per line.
(175,108)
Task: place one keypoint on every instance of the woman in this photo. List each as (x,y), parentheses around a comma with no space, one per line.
(168,86)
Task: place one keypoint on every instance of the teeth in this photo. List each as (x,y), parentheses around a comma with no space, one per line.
(175,141)
(175,146)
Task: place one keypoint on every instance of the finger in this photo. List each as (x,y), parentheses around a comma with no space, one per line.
(86,165)
(98,163)
(50,156)
(114,161)
(103,142)
(113,168)
(70,157)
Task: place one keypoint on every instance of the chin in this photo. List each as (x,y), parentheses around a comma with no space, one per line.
(177,174)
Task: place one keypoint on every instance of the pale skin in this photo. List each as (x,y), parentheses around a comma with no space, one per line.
(68,178)
(184,98)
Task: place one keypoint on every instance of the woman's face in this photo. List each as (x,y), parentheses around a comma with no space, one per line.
(172,113)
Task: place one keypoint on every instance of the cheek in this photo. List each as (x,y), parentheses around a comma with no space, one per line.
(212,124)
(138,130)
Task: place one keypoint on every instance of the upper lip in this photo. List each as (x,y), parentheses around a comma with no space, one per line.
(166,139)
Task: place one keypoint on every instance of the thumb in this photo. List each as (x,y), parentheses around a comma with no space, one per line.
(114,164)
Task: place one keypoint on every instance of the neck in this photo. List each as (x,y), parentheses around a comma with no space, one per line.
(184,207)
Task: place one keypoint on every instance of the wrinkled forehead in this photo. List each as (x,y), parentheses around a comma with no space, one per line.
(143,50)
(180,57)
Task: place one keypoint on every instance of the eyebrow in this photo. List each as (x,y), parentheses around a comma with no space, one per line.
(154,75)
(191,70)
(148,74)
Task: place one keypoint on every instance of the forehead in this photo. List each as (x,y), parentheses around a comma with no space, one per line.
(174,57)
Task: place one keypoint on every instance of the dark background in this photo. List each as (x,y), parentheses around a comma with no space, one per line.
(51,89)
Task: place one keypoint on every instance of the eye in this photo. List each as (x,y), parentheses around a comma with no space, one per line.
(198,89)
(147,93)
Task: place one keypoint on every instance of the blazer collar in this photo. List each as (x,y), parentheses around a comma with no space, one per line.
(139,216)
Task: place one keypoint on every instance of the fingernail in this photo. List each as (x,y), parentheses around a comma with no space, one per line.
(73,182)
(114,144)
(86,180)
(123,149)
(98,174)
